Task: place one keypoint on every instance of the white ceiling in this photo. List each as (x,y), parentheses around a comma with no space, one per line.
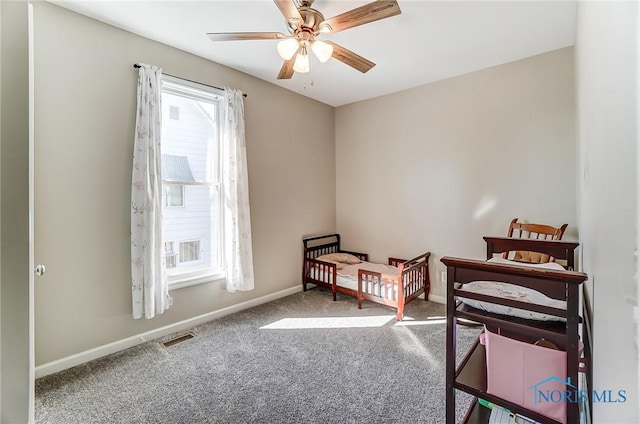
(428,41)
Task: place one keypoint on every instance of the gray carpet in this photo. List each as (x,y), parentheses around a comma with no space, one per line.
(315,361)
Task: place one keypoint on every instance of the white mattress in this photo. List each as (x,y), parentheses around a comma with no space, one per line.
(347,277)
(514,292)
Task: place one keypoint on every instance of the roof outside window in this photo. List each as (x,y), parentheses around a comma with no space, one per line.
(176,168)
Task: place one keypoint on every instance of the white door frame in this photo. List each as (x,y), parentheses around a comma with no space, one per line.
(32,356)
(16,286)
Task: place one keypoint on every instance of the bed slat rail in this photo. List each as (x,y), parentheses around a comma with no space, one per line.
(415,276)
(377,284)
(383,288)
(321,271)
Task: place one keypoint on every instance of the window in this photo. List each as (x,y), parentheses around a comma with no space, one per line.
(169,254)
(173,195)
(190,251)
(175,169)
(191,188)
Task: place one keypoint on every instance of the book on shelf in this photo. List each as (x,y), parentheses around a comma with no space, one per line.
(500,415)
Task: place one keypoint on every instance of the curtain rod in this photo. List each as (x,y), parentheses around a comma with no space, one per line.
(135,65)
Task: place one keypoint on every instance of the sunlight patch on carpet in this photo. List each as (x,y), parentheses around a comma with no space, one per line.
(329,322)
(408,321)
(411,344)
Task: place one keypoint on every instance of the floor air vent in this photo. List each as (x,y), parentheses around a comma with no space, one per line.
(176,340)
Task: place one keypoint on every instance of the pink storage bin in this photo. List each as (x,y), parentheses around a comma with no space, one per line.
(514,368)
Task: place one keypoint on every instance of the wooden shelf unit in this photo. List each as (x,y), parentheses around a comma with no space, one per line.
(470,375)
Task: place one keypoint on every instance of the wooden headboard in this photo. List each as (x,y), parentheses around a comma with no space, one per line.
(321,245)
(328,243)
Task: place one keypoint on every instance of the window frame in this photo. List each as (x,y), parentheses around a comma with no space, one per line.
(199,92)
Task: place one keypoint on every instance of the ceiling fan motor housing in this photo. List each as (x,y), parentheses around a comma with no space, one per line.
(311,19)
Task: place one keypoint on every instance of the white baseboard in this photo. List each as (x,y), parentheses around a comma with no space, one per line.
(98,352)
(438,299)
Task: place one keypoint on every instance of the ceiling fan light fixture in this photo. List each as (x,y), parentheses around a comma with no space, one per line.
(302,61)
(322,50)
(287,48)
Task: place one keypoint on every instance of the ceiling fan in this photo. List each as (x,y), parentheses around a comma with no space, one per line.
(305,24)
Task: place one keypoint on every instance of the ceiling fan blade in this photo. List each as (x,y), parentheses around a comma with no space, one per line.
(286,72)
(290,11)
(370,12)
(232,36)
(350,58)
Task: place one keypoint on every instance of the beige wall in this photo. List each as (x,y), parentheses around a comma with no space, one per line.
(14,244)
(438,167)
(85,110)
(607,77)
(451,161)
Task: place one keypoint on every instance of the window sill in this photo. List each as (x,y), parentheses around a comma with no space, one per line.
(186,281)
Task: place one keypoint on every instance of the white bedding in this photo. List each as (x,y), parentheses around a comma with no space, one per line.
(347,277)
(514,292)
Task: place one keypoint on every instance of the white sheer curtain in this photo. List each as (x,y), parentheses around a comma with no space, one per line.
(148,276)
(235,183)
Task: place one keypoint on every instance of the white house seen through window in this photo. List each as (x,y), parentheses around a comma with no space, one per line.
(173,195)
(190,174)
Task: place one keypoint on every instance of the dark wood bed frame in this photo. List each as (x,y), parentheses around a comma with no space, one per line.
(413,273)
(471,374)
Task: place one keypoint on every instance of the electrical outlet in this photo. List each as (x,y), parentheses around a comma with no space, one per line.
(443,276)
